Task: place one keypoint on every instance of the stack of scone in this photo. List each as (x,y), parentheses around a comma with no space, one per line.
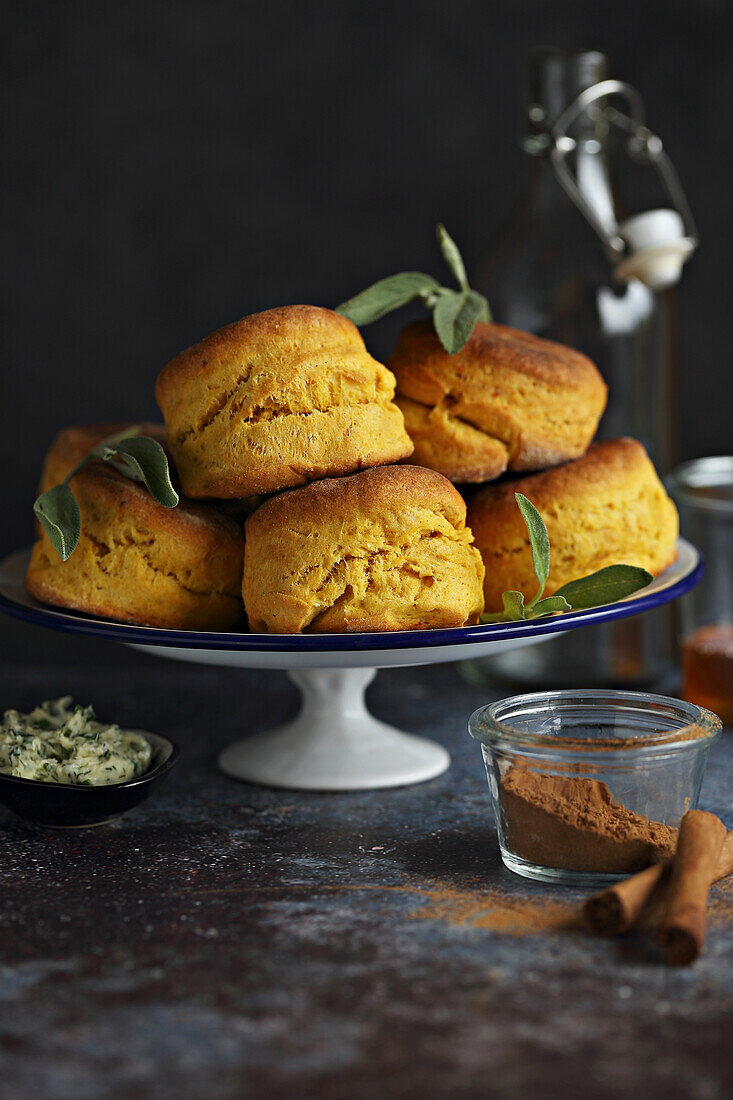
(284,414)
(288,399)
(512,402)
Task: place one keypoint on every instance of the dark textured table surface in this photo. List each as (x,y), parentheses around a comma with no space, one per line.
(230,941)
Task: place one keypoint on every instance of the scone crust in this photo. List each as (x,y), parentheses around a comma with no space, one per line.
(606,508)
(385,549)
(137,561)
(278,399)
(451,446)
(535,403)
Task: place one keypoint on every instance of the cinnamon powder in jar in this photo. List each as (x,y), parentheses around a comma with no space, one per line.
(574,824)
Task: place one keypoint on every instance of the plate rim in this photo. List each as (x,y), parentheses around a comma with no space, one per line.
(76,622)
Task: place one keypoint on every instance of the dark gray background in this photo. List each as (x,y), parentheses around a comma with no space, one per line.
(170,167)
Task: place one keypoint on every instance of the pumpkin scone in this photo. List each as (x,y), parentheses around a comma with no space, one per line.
(276,400)
(607,508)
(386,549)
(137,561)
(507,401)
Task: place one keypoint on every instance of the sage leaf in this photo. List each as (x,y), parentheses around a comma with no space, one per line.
(454,312)
(454,317)
(433,297)
(445,313)
(96,452)
(607,585)
(452,256)
(59,515)
(539,542)
(143,459)
(513,605)
(493,617)
(484,309)
(549,606)
(136,456)
(386,295)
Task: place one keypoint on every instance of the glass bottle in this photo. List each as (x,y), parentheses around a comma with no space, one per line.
(547,273)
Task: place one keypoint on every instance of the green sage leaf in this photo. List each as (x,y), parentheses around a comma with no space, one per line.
(452,256)
(454,317)
(608,585)
(539,542)
(96,452)
(513,605)
(549,606)
(59,515)
(445,312)
(454,312)
(386,295)
(492,617)
(484,308)
(143,459)
(432,298)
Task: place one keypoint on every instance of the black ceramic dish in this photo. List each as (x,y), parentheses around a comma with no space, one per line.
(65,806)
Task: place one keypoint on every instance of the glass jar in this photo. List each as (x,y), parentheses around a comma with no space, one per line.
(703,491)
(590,786)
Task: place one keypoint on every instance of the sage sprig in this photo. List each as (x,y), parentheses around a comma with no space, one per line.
(614,582)
(136,456)
(455,312)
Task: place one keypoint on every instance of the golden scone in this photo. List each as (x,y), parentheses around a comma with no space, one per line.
(507,401)
(607,508)
(137,561)
(275,400)
(386,549)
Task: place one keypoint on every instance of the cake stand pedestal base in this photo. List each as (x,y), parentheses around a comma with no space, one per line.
(334,744)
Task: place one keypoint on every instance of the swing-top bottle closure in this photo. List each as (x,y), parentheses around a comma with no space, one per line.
(651,246)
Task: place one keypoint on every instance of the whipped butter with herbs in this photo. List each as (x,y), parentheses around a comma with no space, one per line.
(60,743)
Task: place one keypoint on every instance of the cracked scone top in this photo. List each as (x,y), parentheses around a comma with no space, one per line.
(386,549)
(507,401)
(137,561)
(275,400)
(607,508)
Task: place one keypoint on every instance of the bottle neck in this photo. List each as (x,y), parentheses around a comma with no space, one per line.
(590,167)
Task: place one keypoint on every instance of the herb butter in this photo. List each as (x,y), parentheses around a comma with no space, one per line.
(60,743)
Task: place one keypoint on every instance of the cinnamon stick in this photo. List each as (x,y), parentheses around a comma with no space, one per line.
(681,932)
(618,908)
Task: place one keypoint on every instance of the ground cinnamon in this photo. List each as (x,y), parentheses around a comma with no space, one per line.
(682,930)
(617,909)
(493,909)
(573,823)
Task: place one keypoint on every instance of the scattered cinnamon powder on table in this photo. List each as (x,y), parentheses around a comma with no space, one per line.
(494,911)
(490,908)
(574,823)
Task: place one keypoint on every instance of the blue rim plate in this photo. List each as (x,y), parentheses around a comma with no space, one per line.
(679,578)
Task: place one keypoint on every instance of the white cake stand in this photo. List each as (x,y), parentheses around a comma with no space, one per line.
(335,744)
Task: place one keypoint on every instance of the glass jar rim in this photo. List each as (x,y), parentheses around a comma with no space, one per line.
(715,472)
(697,725)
